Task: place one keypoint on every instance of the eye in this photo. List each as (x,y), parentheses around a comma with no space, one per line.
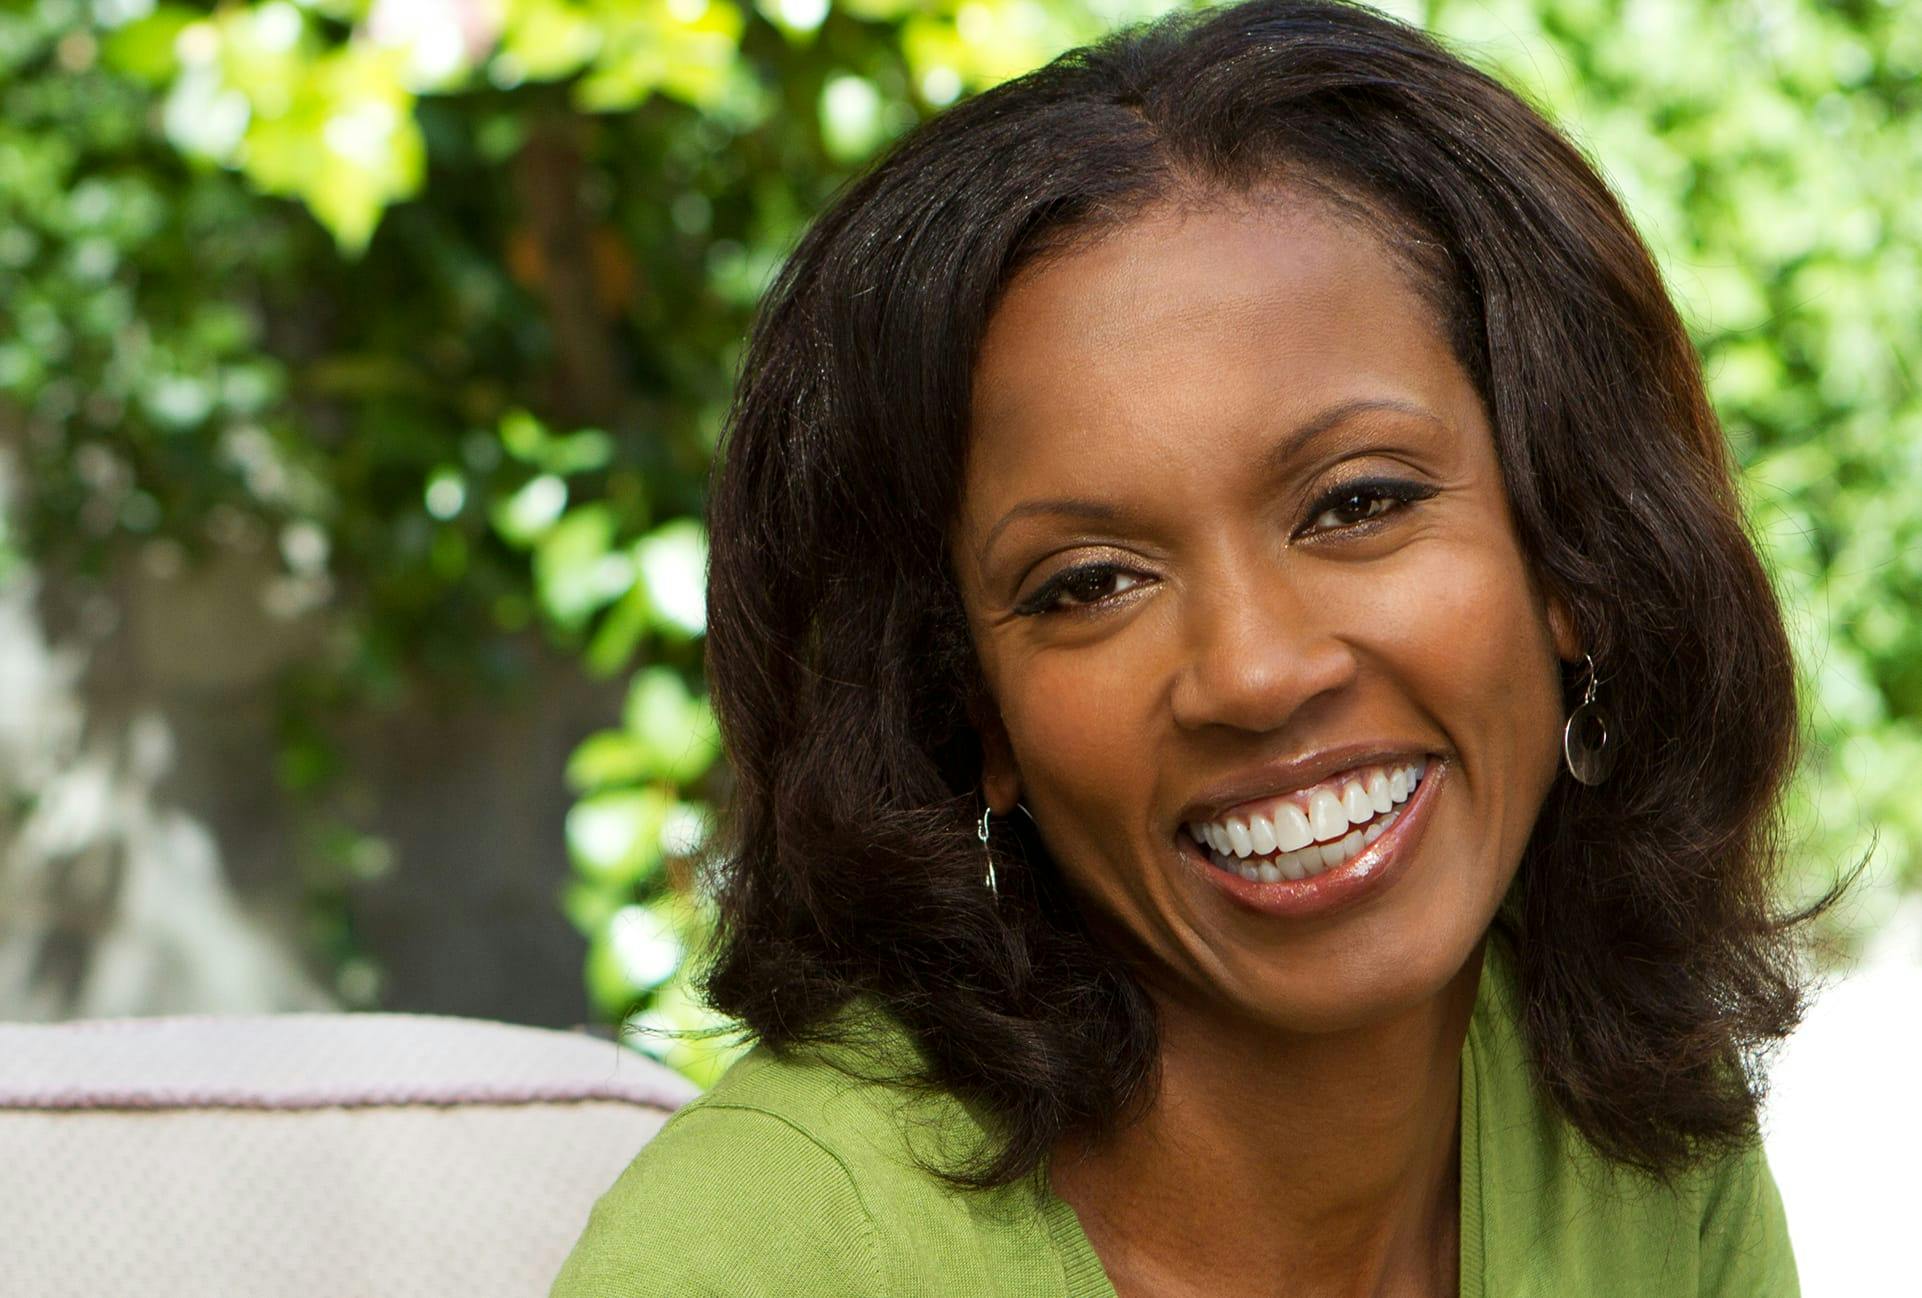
(1077,588)
(1355,503)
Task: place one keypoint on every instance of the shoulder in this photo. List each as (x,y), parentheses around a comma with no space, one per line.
(796,1174)
(1744,1233)
(726,1199)
(1555,1216)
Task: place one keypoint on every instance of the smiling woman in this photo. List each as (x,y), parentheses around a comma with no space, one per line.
(1258,725)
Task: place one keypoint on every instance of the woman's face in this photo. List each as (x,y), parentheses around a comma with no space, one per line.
(1273,678)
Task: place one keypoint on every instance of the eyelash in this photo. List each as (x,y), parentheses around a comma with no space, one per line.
(1048,598)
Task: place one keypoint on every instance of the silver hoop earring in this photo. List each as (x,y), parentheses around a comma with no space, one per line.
(1589,743)
(981,832)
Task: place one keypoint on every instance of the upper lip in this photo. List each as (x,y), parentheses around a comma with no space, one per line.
(1290,775)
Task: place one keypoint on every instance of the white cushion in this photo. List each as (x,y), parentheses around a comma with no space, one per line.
(309,1155)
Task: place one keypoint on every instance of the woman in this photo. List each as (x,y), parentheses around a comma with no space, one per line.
(1258,724)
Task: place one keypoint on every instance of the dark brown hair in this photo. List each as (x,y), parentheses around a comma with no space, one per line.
(1653,969)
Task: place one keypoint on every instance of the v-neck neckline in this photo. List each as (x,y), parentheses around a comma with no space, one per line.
(1083,1275)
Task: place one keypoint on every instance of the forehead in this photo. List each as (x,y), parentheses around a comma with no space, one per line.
(1189,324)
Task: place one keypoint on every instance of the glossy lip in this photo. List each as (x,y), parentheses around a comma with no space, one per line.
(1278,779)
(1374,868)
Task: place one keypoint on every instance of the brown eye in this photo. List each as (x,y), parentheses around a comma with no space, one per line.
(1080,587)
(1355,503)
(1354,508)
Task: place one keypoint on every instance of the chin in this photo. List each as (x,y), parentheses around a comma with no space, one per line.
(1356,990)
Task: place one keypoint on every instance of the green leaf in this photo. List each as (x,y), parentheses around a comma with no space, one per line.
(545,40)
(689,49)
(672,562)
(580,452)
(590,904)
(615,838)
(851,124)
(576,569)
(646,944)
(523,436)
(607,758)
(676,729)
(144,48)
(524,517)
(619,634)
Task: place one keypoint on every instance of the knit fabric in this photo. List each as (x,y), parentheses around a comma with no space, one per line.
(795,1177)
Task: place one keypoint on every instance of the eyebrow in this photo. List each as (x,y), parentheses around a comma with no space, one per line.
(1286,449)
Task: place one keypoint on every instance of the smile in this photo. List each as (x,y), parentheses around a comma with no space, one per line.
(1302,833)
(1357,850)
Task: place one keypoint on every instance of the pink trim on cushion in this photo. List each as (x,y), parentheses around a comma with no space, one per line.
(309,1061)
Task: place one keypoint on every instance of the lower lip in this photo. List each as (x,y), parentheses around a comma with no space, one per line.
(1372,869)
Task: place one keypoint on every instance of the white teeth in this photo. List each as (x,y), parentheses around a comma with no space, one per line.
(1290,843)
(1327,816)
(1354,800)
(1292,832)
(1308,861)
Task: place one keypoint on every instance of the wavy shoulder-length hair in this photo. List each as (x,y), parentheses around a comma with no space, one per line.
(1653,968)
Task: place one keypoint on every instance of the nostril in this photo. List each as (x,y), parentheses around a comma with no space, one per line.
(1259,678)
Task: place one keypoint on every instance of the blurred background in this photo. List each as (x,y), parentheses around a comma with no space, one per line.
(360,364)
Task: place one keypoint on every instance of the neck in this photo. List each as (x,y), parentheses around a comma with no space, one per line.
(1332,1158)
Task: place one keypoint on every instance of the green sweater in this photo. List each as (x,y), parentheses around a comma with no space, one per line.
(791,1178)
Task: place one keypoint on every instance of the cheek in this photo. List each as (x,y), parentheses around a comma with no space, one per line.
(1451,638)
(1467,616)
(1473,644)
(1079,725)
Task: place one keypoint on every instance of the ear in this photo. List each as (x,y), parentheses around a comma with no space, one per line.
(1561,627)
(1000,777)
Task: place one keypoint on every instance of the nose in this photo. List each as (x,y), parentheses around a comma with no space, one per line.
(1260,650)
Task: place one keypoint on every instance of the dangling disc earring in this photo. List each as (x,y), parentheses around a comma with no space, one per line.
(1589,743)
(981,832)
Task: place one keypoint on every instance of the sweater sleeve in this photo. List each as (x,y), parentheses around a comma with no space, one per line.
(726,1202)
(1745,1249)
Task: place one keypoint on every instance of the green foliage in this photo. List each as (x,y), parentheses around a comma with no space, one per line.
(441,301)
